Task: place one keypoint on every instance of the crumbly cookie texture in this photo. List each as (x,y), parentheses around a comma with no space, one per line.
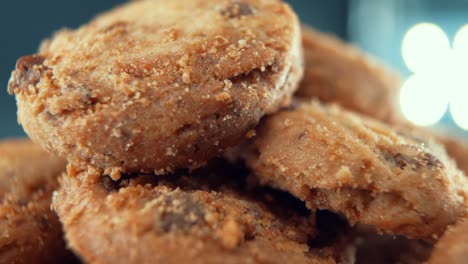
(453,246)
(30,232)
(340,73)
(337,160)
(156,85)
(196,218)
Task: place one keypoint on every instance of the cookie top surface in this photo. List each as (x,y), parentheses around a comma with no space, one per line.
(340,73)
(198,218)
(29,231)
(157,85)
(453,246)
(337,160)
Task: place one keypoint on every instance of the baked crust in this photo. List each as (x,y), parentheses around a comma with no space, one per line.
(139,91)
(334,159)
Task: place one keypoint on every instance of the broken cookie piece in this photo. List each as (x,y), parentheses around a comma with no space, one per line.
(334,159)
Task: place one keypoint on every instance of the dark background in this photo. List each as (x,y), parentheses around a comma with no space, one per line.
(375,26)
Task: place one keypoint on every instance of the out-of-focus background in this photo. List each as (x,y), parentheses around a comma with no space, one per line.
(425,40)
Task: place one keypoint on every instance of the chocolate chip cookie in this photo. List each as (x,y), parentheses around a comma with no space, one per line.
(457,148)
(340,73)
(29,231)
(334,159)
(156,85)
(199,218)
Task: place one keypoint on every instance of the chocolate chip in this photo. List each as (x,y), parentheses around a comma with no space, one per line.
(237,10)
(21,202)
(181,213)
(400,160)
(431,161)
(29,70)
(303,135)
(43,222)
(417,161)
(108,184)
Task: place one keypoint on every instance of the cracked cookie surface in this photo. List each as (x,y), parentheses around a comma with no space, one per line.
(334,159)
(156,85)
(337,72)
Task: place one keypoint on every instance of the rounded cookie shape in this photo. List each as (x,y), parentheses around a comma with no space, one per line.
(156,85)
(457,148)
(180,219)
(340,73)
(30,231)
(453,246)
(337,160)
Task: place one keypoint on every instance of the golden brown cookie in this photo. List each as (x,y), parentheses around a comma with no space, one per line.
(453,246)
(156,85)
(29,231)
(199,218)
(334,159)
(457,149)
(340,73)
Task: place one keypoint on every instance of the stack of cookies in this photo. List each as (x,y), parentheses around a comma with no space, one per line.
(221,131)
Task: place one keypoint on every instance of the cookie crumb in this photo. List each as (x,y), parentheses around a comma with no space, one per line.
(114,173)
(230,234)
(250,134)
(72,171)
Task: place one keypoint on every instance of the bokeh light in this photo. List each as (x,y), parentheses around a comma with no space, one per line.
(459,109)
(460,42)
(422,101)
(459,81)
(425,46)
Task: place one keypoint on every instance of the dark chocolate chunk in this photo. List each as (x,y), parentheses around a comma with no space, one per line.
(108,184)
(237,10)
(181,213)
(29,70)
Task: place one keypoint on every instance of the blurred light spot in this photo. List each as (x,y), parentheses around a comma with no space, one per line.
(460,43)
(459,81)
(422,101)
(425,46)
(459,111)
